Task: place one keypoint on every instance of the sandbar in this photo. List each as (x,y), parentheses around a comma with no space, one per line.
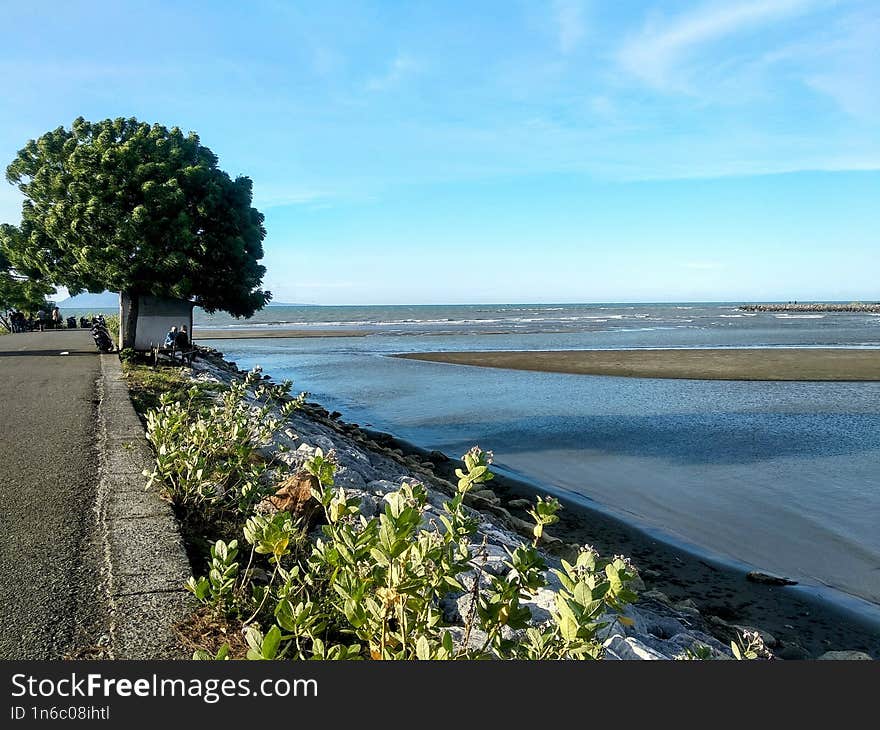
(787,364)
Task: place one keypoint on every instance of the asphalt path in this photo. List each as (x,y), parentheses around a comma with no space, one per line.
(52,599)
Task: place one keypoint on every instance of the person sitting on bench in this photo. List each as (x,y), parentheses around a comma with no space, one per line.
(181,342)
(170,339)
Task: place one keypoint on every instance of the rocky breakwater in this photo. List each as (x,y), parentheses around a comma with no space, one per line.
(369,469)
(818,307)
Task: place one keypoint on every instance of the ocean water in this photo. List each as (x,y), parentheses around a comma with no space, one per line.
(784,477)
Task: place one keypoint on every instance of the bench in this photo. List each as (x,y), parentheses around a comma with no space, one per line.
(186,356)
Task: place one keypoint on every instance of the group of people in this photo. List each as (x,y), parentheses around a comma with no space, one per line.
(177,339)
(43,320)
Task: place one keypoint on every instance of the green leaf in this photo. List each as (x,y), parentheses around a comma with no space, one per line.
(271,642)
(423,648)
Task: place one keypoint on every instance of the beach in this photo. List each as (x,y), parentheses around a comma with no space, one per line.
(777,364)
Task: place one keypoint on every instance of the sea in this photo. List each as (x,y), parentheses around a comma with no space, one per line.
(782,477)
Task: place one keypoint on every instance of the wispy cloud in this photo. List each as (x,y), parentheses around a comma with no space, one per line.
(655,54)
(268,196)
(847,67)
(569,18)
(399,69)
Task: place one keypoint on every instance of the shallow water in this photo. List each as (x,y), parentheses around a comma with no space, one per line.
(781,476)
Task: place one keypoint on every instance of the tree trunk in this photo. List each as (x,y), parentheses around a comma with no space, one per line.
(128,323)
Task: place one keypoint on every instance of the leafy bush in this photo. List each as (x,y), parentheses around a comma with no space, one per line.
(211,454)
(371,588)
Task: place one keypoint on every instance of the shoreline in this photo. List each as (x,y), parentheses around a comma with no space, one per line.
(755,364)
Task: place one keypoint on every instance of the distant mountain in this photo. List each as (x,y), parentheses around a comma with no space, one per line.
(84,301)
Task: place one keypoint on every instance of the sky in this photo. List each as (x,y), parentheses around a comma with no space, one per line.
(513,151)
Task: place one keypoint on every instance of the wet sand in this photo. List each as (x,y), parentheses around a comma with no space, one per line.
(200,333)
(805,364)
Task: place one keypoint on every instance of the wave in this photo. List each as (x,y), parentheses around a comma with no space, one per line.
(799,316)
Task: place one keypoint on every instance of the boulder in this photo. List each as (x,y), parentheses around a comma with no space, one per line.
(438,457)
(486,494)
(845,656)
(348,478)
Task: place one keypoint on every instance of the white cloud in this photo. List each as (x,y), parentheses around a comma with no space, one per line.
(400,68)
(655,54)
(569,18)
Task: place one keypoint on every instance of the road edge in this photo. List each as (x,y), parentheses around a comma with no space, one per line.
(145,559)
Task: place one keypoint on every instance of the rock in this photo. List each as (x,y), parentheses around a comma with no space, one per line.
(369,505)
(438,457)
(553,544)
(629,648)
(324,443)
(793,652)
(348,478)
(514,523)
(382,486)
(295,495)
(335,415)
(476,639)
(845,656)
(637,584)
(495,556)
(757,576)
(541,604)
(657,596)
(519,504)
(486,494)
(449,608)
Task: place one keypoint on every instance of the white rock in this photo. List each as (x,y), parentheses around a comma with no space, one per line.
(628,648)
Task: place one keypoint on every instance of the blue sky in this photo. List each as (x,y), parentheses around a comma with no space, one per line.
(499,151)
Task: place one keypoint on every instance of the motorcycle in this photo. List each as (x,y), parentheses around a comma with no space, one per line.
(101,335)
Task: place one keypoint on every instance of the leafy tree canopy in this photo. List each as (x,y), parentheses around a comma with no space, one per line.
(140,209)
(17,291)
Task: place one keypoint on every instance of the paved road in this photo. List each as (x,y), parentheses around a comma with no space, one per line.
(52,600)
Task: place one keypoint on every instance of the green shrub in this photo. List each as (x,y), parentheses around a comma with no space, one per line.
(210,454)
(371,588)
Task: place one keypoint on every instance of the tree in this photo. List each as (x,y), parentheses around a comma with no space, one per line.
(139,209)
(17,291)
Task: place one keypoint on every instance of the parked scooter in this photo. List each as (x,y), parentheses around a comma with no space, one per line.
(101,334)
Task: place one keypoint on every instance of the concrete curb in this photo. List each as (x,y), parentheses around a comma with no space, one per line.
(145,558)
